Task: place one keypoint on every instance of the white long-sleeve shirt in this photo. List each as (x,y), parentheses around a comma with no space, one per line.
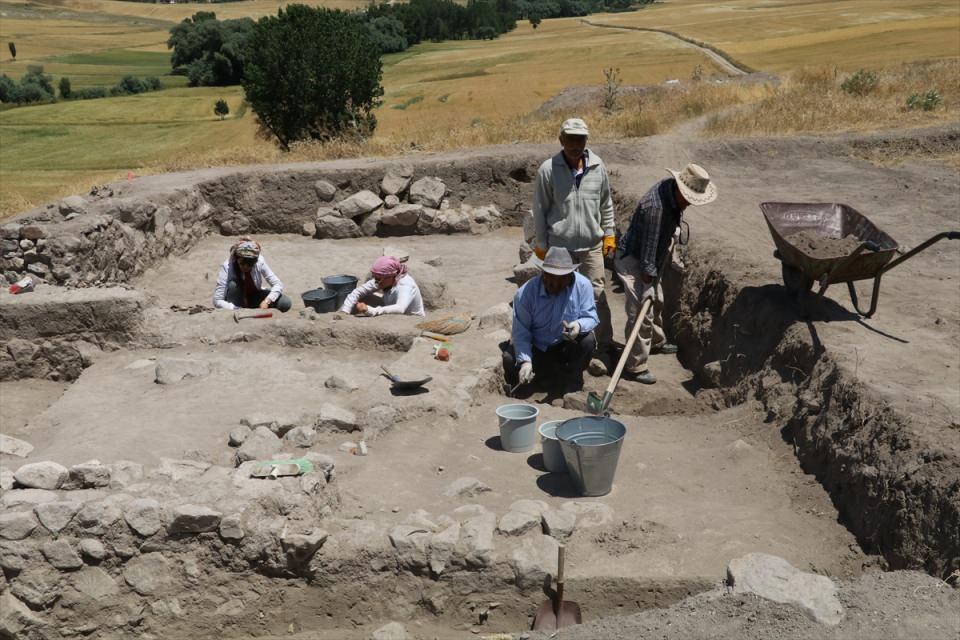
(260,272)
(403,297)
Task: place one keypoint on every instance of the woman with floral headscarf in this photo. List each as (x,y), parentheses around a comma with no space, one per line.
(400,291)
(239,285)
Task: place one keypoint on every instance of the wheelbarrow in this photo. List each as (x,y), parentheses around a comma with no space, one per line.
(873,257)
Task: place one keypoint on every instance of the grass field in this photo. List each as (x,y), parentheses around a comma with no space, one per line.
(461,93)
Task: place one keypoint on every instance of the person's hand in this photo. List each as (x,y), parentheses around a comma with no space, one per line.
(649,291)
(571,330)
(360,308)
(526,372)
(609,246)
(265,304)
(541,252)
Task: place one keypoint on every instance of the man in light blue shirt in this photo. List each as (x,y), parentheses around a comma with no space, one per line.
(554,315)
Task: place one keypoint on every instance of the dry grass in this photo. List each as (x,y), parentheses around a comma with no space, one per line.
(811,101)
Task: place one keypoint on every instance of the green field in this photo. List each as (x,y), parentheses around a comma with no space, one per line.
(436,94)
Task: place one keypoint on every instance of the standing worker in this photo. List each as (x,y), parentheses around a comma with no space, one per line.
(642,251)
(572,209)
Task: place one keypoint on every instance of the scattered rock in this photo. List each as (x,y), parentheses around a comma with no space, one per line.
(466,487)
(72,204)
(359,204)
(308,229)
(336,227)
(575,401)
(37,586)
(239,435)
(776,579)
(17,525)
(524,252)
(391,631)
(559,524)
(15,617)
(302,437)
(60,554)
(515,523)
(191,518)
(403,215)
(596,368)
(93,549)
(261,444)
(300,547)
(396,180)
(88,475)
(391,201)
(499,316)
(41,475)
(411,545)
(370,222)
(143,516)
(534,561)
(231,527)
(96,517)
(334,417)
(341,383)
(31,497)
(57,515)
(173,370)
(325,190)
(148,574)
(124,472)
(17,556)
(432,284)
(442,547)
(524,272)
(427,191)
(32,232)
(476,540)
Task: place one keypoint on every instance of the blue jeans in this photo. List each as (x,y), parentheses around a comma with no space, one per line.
(234,296)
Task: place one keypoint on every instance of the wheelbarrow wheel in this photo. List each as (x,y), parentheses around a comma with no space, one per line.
(794,280)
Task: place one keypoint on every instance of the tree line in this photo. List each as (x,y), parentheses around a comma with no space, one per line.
(37,87)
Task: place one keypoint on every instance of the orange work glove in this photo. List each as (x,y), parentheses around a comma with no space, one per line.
(609,246)
(541,253)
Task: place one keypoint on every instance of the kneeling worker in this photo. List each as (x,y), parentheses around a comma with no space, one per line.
(554,315)
(239,285)
(398,291)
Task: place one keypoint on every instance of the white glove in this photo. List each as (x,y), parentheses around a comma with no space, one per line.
(526,372)
(373,311)
(649,291)
(571,330)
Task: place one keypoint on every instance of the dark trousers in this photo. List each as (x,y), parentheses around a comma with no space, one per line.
(562,364)
(234,295)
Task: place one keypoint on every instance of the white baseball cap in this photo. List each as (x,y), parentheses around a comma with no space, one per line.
(574,127)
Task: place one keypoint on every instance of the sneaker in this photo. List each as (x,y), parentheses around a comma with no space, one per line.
(664,348)
(643,377)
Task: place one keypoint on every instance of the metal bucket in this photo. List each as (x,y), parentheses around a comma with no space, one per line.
(342,284)
(321,300)
(552,454)
(518,426)
(591,448)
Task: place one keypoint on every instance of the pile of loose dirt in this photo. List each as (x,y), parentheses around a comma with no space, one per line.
(823,247)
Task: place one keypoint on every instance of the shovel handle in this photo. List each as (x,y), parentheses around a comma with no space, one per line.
(558,599)
(628,347)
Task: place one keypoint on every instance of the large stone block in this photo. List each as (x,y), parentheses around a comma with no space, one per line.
(776,579)
(427,191)
(359,203)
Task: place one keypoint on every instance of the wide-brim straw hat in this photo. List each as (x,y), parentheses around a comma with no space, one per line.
(558,262)
(695,184)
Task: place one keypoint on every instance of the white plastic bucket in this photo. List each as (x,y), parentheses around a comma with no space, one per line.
(552,453)
(518,426)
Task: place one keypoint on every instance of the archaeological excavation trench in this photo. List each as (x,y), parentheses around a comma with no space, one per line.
(133,415)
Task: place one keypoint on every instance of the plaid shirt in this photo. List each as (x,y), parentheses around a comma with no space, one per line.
(652,226)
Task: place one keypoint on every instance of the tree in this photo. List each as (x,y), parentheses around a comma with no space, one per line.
(535,20)
(13,49)
(221,108)
(65,89)
(209,51)
(312,73)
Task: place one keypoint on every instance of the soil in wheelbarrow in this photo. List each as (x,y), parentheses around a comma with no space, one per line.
(823,247)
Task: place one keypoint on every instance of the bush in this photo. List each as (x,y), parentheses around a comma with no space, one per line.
(89,93)
(131,85)
(221,108)
(65,91)
(926,101)
(312,74)
(861,83)
(34,86)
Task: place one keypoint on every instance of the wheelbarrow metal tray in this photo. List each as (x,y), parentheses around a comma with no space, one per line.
(832,220)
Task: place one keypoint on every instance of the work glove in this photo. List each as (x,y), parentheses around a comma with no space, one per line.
(541,253)
(526,372)
(649,291)
(571,330)
(609,246)
(373,311)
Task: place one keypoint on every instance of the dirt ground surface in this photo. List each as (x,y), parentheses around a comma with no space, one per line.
(697,485)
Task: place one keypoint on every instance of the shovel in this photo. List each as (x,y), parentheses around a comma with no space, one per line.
(555,613)
(401,385)
(237,316)
(597,405)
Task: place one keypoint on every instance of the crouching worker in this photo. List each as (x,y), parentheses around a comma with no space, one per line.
(554,315)
(239,285)
(391,290)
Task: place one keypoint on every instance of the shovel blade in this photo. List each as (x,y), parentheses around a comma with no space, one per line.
(548,620)
(597,405)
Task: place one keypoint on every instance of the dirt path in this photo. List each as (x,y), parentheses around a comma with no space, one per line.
(723,61)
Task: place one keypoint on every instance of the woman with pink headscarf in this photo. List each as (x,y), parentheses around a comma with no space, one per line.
(400,293)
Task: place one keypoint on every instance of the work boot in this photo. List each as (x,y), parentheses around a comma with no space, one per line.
(643,377)
(666,348)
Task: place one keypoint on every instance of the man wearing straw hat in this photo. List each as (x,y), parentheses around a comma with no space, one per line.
(554,316)
(573,209)
(641,252)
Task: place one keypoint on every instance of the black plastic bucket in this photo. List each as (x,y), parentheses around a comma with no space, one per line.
(321,300)
(342,284)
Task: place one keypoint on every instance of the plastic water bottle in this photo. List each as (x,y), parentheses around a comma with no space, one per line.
(22,286)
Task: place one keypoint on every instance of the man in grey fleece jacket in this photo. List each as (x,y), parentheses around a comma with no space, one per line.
(573,209)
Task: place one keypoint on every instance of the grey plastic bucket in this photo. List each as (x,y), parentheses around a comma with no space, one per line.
(591,448)
(321,300)
(518,427)
(342,284)
(552,454)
